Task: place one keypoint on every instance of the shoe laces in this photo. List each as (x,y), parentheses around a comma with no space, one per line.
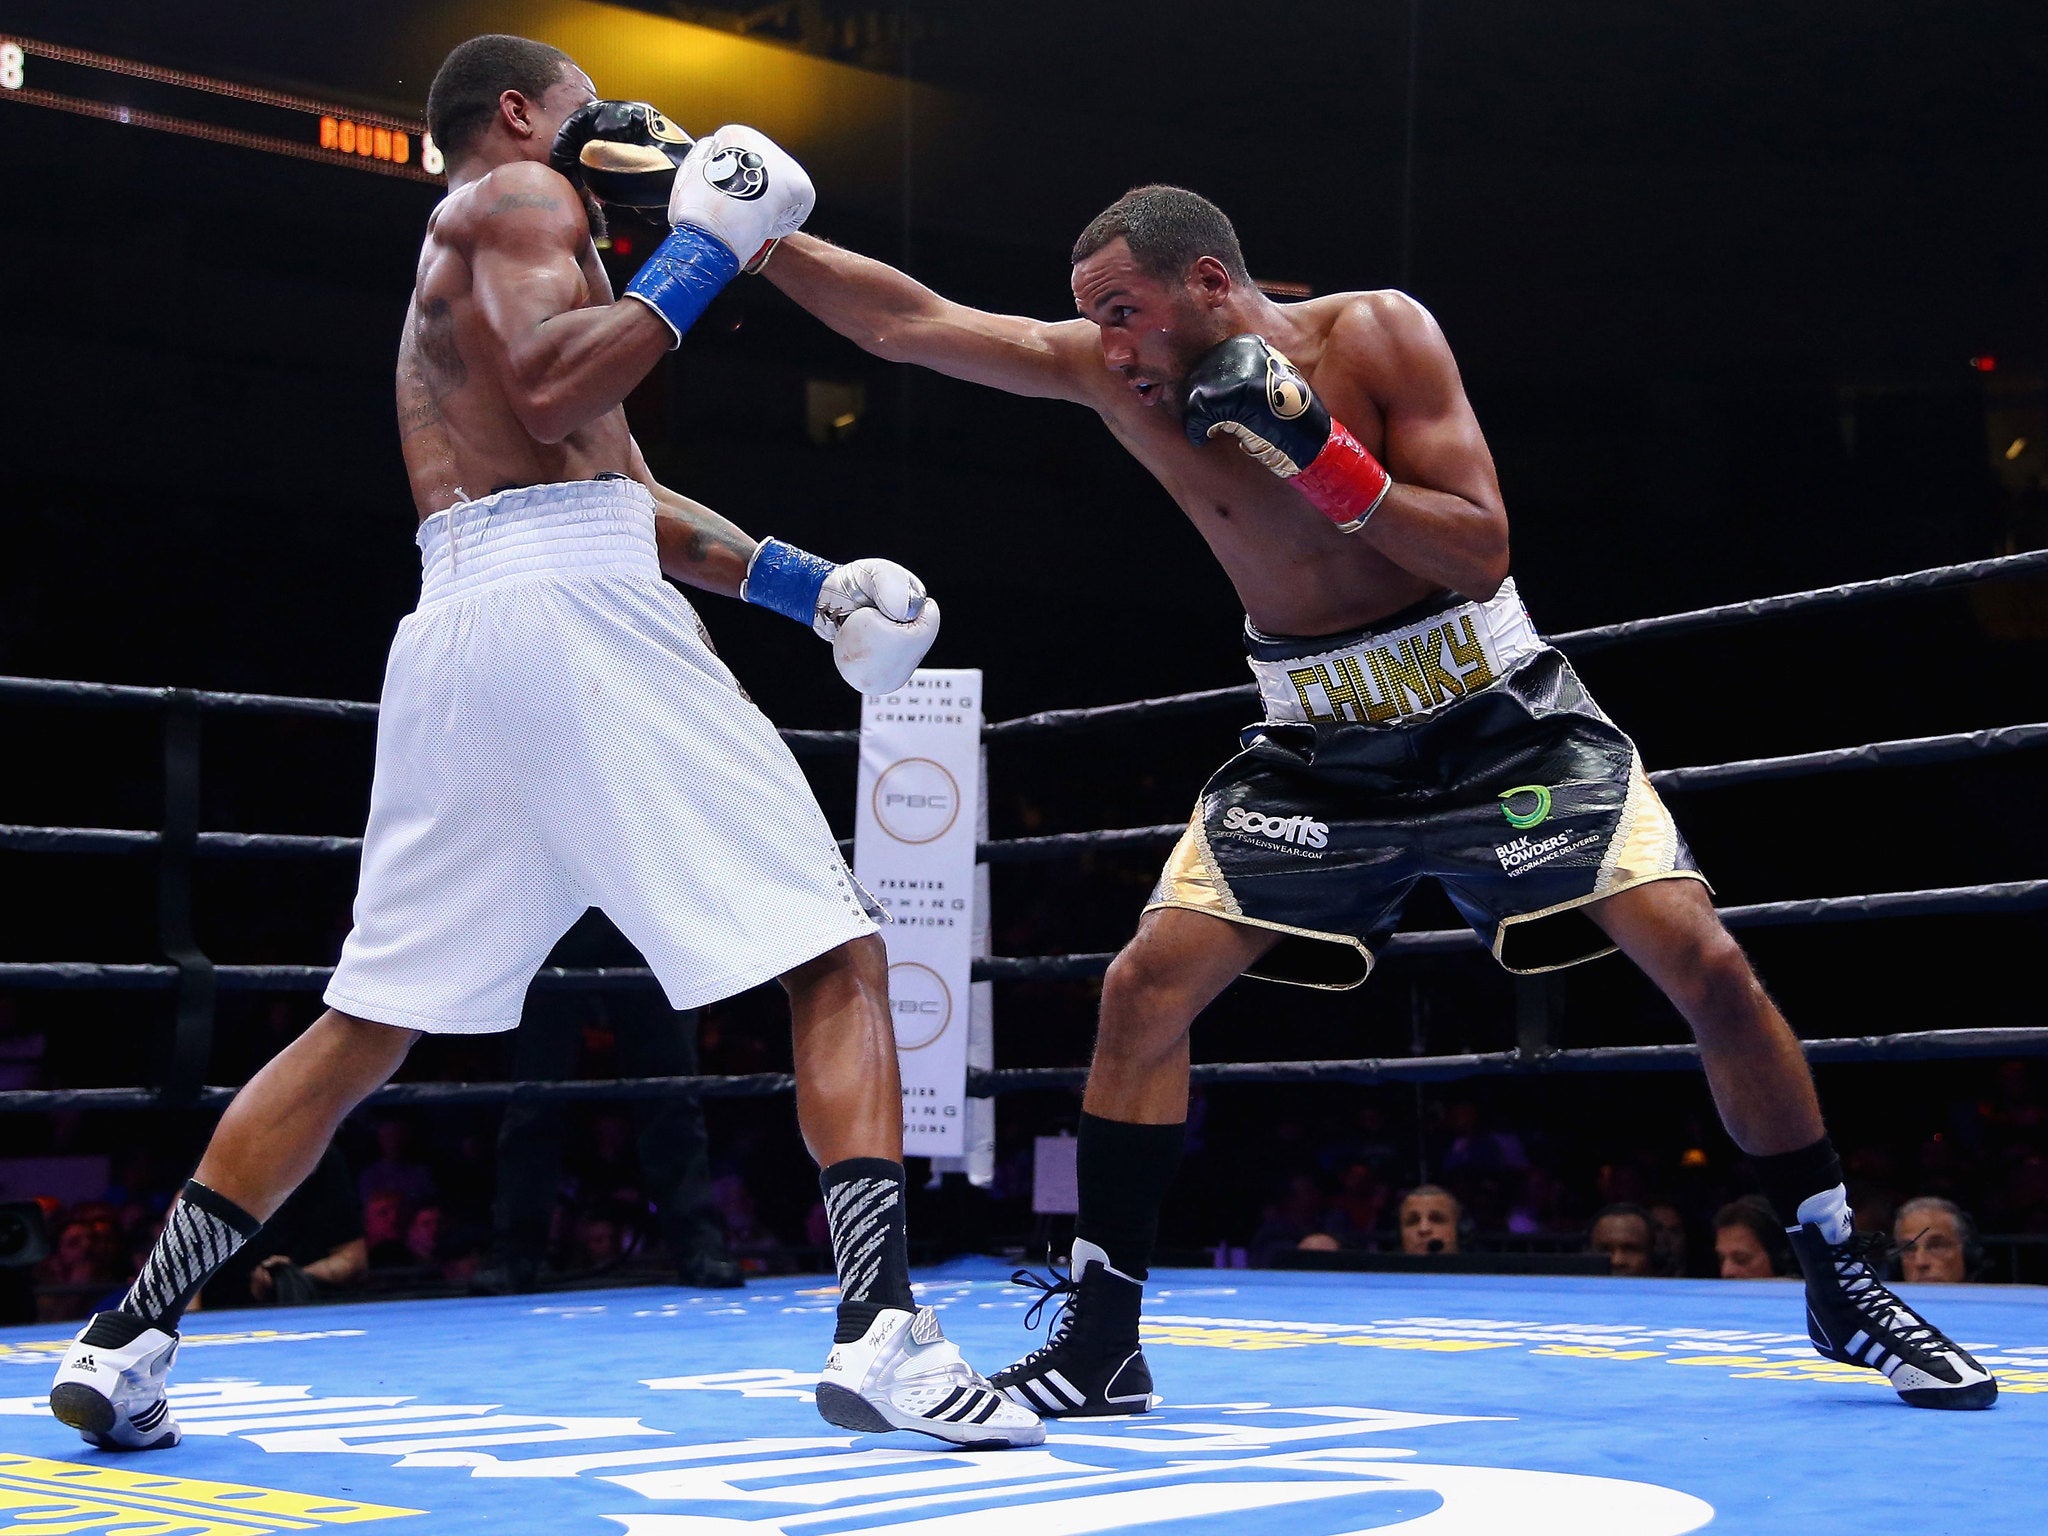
(1062,1289)
(1858,1263)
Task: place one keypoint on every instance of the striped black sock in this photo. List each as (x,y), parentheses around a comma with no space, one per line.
(203,1233)
(870,1243)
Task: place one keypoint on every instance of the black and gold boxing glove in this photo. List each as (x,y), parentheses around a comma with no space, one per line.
(624,153)
(1244,388)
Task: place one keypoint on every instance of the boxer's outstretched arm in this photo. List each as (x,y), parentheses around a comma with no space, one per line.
(883,311)
(697,546)
(561,362)
(1443,518)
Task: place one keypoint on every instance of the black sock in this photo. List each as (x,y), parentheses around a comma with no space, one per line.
(204,1231)
(1124,1170)
(870,1240)
(1791,1178)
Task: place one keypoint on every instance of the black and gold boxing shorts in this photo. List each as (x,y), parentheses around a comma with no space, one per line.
(1447,741)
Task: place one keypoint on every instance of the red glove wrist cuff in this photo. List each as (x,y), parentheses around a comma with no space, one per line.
(1344,482)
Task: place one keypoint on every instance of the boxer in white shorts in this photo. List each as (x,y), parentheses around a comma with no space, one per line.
(556,732)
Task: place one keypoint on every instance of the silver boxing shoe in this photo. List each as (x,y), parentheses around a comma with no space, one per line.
(904,1374)
(110,1387)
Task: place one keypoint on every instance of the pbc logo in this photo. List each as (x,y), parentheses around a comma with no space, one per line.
(739,173)
(1304,831)
(1287,392)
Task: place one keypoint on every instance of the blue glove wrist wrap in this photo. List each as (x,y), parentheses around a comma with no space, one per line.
(683,276)
(786,579)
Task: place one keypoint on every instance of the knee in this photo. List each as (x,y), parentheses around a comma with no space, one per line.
(1711,978)
(1144,1007)
(863,961)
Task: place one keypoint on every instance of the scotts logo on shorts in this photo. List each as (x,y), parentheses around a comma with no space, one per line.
(1287,391)
(1302,830)
(737,173)
(1527,805)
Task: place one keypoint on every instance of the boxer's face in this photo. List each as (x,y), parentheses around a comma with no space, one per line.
(547,112)
(1152,330)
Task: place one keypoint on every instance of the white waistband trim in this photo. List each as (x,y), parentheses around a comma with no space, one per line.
(574,528)
(1381,676)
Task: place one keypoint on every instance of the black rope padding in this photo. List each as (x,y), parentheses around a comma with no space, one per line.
(1930,580)
(2008,896)
(1049,720)
(51,690)
(1906,752)
(1919,1045)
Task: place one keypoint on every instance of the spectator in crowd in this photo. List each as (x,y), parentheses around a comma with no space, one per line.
(1938,1241)
(395,1170)
(1296,1213)
(1668,1242)
(384,1230)
(659,1146)
(1354,1214)
(1537,1205)
(1429,1220)
(313,1245)
(85,1261)
(1625,1234)
(1320,1242)
(1475,1147)
(423,1237)
(1749,1240)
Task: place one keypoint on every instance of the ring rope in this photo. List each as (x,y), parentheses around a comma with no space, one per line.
(1905,752)
(1998,567)
(78,975)
(982,1083)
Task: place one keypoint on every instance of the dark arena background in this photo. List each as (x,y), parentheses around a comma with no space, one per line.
(1751,300)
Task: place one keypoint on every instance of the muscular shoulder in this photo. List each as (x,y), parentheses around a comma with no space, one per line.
(521,204)
(1388,342)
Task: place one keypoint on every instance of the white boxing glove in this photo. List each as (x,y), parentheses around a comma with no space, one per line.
(736,193)
(874,612)
(743,189)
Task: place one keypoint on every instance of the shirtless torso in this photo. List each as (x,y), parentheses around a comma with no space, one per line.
(1376,360)
(488,245)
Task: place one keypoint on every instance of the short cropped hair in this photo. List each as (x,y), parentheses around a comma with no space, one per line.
(1168,230)
(1428,1190)
(466,88)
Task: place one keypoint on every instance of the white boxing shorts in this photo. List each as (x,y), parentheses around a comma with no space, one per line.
(556,734)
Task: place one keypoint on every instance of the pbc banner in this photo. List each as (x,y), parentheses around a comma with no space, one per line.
(915,828)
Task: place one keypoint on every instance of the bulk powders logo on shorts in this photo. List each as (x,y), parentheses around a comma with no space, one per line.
(1303,831)
(920,1004)
(916,800)
(1532,811)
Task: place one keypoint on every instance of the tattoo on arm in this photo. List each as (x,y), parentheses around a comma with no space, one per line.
(515,200)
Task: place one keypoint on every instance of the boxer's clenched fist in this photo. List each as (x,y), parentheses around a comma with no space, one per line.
(736,193)
(744,190)
(874,612)
(1247,390)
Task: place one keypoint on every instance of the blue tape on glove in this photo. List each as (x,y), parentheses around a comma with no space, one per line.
(786,579)
(683,276)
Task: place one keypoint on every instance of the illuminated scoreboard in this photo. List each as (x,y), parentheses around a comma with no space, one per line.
(139,95)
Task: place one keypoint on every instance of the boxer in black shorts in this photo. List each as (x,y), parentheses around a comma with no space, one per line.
(1414,726)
